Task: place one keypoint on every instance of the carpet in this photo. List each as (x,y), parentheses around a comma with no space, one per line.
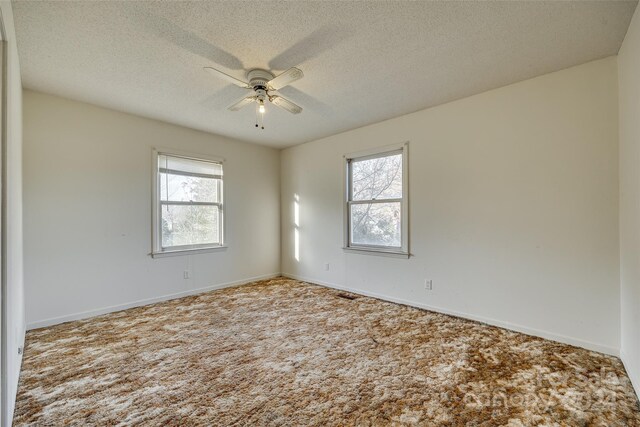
(286,353)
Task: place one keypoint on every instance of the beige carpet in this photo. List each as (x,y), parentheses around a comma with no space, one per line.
(286,353)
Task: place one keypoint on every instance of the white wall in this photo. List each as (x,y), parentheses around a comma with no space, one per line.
(629,98)
(87,208)
(13,320)
(513,206)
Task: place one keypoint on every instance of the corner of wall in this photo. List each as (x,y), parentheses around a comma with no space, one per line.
(628,62)
(13,314)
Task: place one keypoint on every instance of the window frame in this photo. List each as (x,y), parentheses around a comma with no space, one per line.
(403,250)
(156,205)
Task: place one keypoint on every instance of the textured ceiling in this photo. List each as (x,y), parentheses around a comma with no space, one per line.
(363,61)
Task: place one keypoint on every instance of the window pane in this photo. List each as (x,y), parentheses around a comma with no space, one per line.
(189,225)
(179,188)
(379,178)
(376,224)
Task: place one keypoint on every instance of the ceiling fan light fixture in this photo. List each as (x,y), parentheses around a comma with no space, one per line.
(261,107)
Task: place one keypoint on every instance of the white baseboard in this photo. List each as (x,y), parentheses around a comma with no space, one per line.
(506,325)
(147,301)
(634,376)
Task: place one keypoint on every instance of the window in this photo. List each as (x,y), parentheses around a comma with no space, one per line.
(188,204)
(376,201)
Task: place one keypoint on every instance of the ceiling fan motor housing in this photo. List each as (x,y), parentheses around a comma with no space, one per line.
(259,79)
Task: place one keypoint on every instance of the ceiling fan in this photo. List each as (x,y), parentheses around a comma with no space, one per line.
(263,86)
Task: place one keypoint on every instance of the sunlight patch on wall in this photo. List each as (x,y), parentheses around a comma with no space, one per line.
(296,232)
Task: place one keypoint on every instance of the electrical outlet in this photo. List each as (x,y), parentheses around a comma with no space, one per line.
(428,284)
(326,266)
(185,274)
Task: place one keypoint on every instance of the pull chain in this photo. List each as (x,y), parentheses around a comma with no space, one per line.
(257,106)
(259,117)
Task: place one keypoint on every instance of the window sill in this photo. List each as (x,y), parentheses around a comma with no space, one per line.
(378,252)
(188,251)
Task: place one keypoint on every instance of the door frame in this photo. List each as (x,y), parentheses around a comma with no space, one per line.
(3,222)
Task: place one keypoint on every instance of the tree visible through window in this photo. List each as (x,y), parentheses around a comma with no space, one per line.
(190,203)
(376,200)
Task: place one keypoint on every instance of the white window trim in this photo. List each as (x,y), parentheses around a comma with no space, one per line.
(156,238)
(403,251)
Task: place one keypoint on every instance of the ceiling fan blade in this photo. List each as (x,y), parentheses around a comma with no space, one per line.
(286,104)
(242,103)
(227,77)
(286,78)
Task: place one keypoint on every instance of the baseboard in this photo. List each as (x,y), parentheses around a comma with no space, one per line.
(634,377)
(501,324)
(119,307)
